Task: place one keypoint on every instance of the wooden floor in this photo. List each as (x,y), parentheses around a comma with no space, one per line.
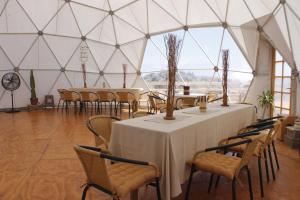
(38,162)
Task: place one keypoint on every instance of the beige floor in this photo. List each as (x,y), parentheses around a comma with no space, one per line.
(38,162)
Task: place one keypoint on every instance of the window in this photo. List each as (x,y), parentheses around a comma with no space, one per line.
(281,85)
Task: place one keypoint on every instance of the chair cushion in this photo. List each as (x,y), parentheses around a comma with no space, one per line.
(126,177)
(241,148)
(217,163)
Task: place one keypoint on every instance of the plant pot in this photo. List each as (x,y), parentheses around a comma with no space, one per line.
(34,101)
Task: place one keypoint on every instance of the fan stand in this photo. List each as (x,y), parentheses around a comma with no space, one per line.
(12,110)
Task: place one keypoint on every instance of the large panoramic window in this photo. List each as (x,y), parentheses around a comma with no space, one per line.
(281,85)
(200,63)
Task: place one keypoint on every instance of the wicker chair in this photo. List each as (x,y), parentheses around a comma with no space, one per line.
(266,135)
(100,126)
(125,97)
(211,96)
(61,97)
(118,179)
(186,102)
(88,97)
(156,104)
(219,164)
(106,97)
(71,97)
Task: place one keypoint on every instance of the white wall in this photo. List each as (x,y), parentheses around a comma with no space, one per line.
(262,80)
(298,98)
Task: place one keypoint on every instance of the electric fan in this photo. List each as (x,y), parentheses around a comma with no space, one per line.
(11,82)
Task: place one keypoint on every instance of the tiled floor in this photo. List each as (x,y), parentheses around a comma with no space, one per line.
(38,162)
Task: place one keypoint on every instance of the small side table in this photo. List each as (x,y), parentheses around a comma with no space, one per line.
(292,137)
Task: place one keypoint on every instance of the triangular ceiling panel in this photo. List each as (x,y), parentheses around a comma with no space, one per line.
(156,14)
(9,42)
(4,61)
(46,10)
(260,8)
(101,83)
(154,58)
(2,5)
(134,51)
(43,85)
(114,80)
(248,41)
(294,4)
(122,27)
(76,61)
(130,13)
(101,4)
(201,14)
(116,4)
(64,23)
(234,16)
(104,32)
(115,65)
(278,34)
(87,17)
(219,7)
(192,56)
(209,39)
(100,52)
(40,57)
(177,8)
(61,82)
(76,79)
(15,20)
(140,83)
(294,28)
(237,61)
(65,53)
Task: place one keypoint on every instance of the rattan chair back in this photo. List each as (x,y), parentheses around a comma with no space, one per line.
(94,166)
(100,126)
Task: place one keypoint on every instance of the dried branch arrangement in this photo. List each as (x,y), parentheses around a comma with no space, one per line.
(124,75)
(173,45)
(225,58)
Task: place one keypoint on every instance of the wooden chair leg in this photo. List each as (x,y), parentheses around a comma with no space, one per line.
(275,154)
(84,192)
(271,162)
(157,189)
(217,181)
(58,104)
(190,182)
(233,189)
(266,165)
(260,177)
(210,182)
(249,183)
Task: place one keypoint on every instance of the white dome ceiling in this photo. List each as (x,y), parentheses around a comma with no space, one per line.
(46,35)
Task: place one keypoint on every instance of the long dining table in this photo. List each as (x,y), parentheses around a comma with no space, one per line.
(171,143)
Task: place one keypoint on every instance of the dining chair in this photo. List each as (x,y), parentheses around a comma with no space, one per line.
(265,135)
(214,161)
(71,97)
(100,126)
(156,104)
(119,178)
(125,98)
(106,97)
(186,102)
(211,96)
(61,97)
(88,97)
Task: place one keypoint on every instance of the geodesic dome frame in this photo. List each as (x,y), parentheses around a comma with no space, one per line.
(46,35)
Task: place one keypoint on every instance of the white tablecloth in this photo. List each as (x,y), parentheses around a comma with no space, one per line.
(170,144)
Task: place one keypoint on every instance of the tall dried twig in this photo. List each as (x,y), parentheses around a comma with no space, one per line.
(225,75)
(173,45)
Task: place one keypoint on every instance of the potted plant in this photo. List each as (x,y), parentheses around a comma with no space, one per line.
(266,100)
(33,100)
